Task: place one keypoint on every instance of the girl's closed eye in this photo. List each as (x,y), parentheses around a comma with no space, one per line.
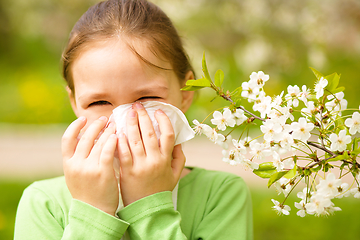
(148,97)
(99,103)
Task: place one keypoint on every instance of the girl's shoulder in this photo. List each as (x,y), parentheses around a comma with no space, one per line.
(204,177)
(53,189)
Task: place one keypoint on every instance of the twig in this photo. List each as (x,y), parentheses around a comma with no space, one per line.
(241,107)
(322,148)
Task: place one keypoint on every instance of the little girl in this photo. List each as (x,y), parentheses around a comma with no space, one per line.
(119,52)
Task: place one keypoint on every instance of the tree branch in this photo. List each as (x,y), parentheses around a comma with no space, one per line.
(322,148)
(227,98)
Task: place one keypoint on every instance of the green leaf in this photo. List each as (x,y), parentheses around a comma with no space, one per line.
(337,158)
(333,82)
(265,170)
(214,98)
(316,169)
(201,82)
(292,173)
(219,78)
(317,74)
(355,152)
(205,69)
(190,88)
(276,176)
(339,89)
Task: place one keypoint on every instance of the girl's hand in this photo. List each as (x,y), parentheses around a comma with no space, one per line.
(147,165)
(88,164)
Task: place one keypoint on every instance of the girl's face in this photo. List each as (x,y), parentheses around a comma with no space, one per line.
(109,74)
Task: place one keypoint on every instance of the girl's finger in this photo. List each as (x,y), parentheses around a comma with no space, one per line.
(87,140)
(69,140)
(178,161)
(98,147)
(133,134)
(107,153)
(146,127)
(125,157)
(167,135)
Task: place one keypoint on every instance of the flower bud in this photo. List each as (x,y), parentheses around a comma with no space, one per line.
(250,119)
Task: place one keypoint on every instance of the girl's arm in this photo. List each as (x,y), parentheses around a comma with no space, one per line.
(46,211)
(90,178)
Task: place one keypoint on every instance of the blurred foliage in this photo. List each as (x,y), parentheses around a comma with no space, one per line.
(267,225)
(282,38)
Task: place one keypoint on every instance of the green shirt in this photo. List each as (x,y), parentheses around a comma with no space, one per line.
(211,205)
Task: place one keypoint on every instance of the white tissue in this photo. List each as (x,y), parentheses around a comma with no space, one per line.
(183,132)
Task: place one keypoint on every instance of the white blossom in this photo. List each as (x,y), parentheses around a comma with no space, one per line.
(258,150)
(355,192)
(318,204)
(201,128)
(305,194)
(304,95)
(239,146)
(215,137)
(302,210)
(291,97)
(260,78)
(278,164)
(329,186)
(310,109)
(286,139)
(343,190)
(301,129)
(339,142)
(263,105)
(283,186)
(271,130)
(250,90)
(319,87)
(221,120)
(232,157)
(337,102)
(248,164)
(353,123)
(239,116)
(277,101)
(281,209)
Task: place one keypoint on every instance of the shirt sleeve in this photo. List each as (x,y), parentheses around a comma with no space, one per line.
(39,217)
(154,217)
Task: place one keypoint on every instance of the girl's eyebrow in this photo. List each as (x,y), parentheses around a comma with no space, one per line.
(90,96)
(152,90)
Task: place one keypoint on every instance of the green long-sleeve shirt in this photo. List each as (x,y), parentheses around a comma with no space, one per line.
(211,205)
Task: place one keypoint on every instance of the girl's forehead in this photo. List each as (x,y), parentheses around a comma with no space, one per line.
(112,59)
(112,65)
(138,50)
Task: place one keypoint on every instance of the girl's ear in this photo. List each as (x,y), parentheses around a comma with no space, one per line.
(187,96)
(71,95)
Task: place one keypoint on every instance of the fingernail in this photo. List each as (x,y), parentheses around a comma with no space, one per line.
(159,111)
(103,118)
(138,105)
(82,118)
(132,113)
(111,124)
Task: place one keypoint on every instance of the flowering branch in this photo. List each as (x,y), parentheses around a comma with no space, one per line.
(321,148)
(228,98)
(288,121)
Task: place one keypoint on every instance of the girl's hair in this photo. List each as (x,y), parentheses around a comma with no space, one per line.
(130,19)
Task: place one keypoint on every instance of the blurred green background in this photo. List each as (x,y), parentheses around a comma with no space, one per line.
(282,38)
